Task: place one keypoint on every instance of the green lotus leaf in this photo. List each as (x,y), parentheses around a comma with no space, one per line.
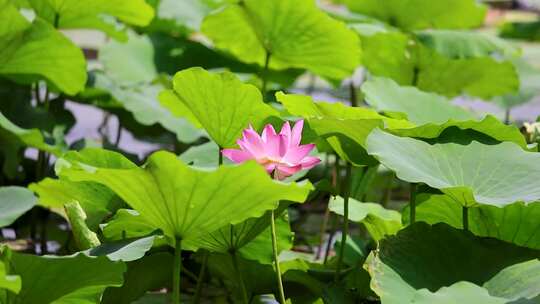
(188,14)
(379,222)
(409,268)
(464,44)
(126,223)
(529,85)
(62,280)
(251,238)
(221,103)
(130,62)
(431,113)
(89,14)
(14,202)
(387,52)
(204,156)
(525,30)
(127,250)
(36,50)
(7,281)
(186,203)
(296,34)
(517,282)
(145,103)
(419,107)
(151,272)
(96,200)
(404,58)
(471,174)
(515,223)
(421,14)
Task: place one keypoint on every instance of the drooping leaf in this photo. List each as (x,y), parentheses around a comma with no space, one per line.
(415,265)
(471,174)
(14,202)
(379,221)
(34,51)
(88,14)
(421,14)
(63,280)
(184,202)
(516,282)
(221,103)
(126,250)
(515,223)
(84,237)
(294,32)
(96,200)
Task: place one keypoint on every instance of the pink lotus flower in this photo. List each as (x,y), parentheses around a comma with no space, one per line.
(281,154)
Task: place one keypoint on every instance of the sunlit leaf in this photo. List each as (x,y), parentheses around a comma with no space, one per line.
(420,14)
(38,51)
(88,14)
(295,32)
(221,103)
(471,174)
(186,203)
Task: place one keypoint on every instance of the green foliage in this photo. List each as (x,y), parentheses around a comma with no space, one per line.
(14,202)
(471,174)
(421,14)
(284,29)
(408,267)
(178,204)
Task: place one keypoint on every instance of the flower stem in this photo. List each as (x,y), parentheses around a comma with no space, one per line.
(264,76)
(234,257)
(345,232)
(276,258)
(200,278)
(412,204)
(176,271)
(465,218)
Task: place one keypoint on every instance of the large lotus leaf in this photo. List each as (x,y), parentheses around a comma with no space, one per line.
(296,33)
(185,202)
(251,238)
(464,44)
(471,174)
(64,280)
(144,102)
(387,52)
(221,103)
(379,221)
(431,113)
(39,51)
(152,272)
(421,14)
(14,202)
(516,223)
(420,108)
(8,281)
(96,200)
(483,77)
(130,62)
(89,14)
(418,262)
